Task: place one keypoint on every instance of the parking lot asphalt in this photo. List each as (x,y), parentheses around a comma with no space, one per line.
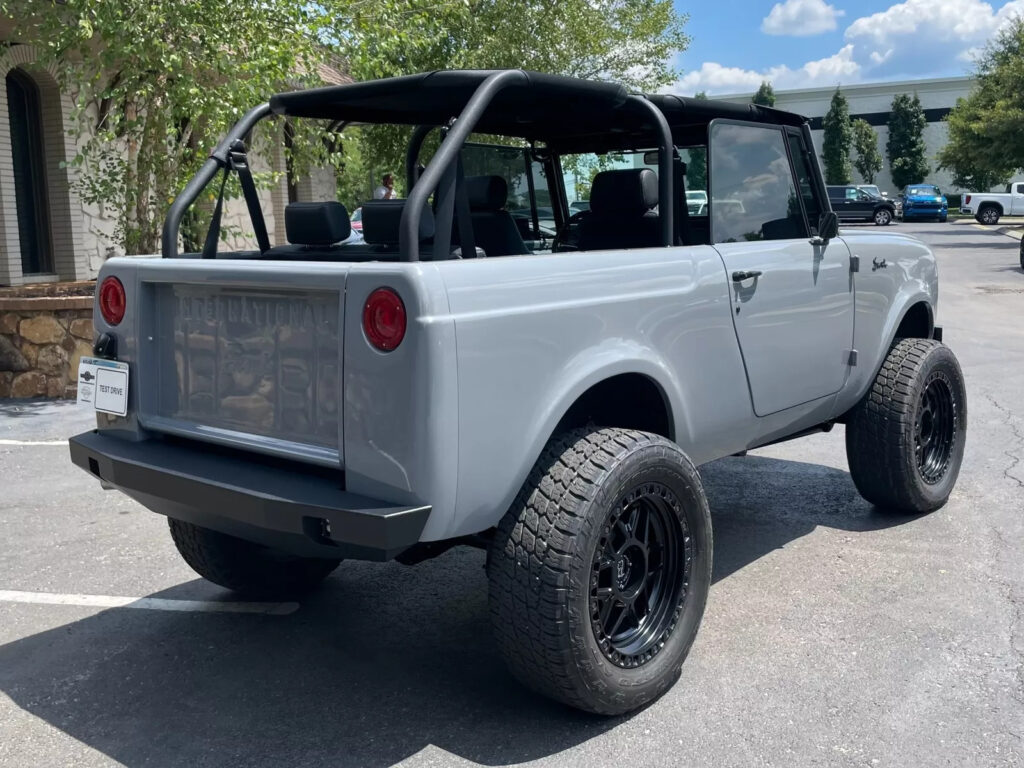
(834,635)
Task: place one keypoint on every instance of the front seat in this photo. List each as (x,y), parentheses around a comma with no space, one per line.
(494,229)
(621,212)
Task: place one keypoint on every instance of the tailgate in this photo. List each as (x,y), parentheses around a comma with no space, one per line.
(242,361)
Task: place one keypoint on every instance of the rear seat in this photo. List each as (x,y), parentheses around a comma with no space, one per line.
(315,232)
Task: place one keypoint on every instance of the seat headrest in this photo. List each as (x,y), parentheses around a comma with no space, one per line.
(382,217)
(323,223)
(630,191)
(486,193)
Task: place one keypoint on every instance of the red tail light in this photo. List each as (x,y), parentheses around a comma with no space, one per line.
(384,319)
(112,300)
(967,200)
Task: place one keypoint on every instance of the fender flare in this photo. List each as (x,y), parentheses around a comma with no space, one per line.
(592,366)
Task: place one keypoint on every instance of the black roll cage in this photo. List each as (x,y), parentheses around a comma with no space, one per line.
(440,177)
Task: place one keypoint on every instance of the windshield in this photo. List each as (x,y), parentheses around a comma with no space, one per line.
(923,190)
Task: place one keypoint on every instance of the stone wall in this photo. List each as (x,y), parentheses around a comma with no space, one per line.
(41,342)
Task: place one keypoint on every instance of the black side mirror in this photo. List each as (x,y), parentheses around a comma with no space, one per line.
(828,225)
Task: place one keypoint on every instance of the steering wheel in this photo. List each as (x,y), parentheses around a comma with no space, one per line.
(559,244)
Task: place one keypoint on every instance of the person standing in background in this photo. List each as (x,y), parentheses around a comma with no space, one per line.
(386,191)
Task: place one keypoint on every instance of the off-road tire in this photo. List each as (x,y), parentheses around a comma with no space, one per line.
(245,567)
(543,569)
(988,214)
(883,431)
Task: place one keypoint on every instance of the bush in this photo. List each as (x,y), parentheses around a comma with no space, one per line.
(954,200)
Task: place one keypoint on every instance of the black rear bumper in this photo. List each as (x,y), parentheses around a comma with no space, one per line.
(305,513)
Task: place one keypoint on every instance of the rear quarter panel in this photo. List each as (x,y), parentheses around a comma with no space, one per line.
(533,333)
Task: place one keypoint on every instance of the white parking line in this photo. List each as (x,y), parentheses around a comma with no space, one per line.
(33,442)
(149,603)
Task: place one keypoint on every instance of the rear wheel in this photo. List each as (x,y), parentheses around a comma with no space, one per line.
(905,439)
(883,217)
(250,569)
(600,570)
(988,214)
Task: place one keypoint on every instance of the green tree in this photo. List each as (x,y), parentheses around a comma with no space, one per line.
(865,143)
(697,165)
(156,84)
(905,147)
(986,130)
(631,41)
(765,95)
(837,141)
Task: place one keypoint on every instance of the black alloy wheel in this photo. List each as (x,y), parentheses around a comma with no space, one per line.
(905,439)
(935,428)
(600,569)
(640,575)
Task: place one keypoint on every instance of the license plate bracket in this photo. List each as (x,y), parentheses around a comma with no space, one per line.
(103,384)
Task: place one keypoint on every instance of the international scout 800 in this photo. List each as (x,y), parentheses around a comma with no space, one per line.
(496,367)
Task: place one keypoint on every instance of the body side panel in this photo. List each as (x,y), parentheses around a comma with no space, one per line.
(884,294)
(535,332)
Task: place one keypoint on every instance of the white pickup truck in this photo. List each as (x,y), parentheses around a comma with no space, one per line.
(988,208)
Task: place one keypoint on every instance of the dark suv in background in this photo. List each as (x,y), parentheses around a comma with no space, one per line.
(853,204)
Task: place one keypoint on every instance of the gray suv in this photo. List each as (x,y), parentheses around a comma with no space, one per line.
(443,382)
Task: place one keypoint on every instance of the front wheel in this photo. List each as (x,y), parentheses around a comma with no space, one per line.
(905,438)
(600,570)
(245,567)
(882,217)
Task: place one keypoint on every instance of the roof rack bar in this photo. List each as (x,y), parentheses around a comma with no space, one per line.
(665,146)
(218,159)
(409,227)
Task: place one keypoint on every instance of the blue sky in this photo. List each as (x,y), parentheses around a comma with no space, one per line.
(807,43)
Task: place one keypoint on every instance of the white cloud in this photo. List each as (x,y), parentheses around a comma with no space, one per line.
(715,78)
(913,38)
(800,18)
(916,37)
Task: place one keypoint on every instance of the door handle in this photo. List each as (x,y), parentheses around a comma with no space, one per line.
(745,274)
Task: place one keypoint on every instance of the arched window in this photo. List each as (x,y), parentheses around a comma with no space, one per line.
(29,173)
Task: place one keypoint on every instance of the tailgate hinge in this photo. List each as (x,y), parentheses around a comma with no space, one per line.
(855,263)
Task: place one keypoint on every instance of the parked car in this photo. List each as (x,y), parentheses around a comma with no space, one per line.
(854,204)
(924,201)
(356,220)
(989,207)
(696,202)
(293,406)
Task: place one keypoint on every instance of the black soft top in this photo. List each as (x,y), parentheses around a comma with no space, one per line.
(568,113)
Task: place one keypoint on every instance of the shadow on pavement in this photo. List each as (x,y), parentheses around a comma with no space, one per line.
(382,662)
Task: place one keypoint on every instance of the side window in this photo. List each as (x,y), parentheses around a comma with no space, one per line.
(808,189)
(753,192)
(1020,189)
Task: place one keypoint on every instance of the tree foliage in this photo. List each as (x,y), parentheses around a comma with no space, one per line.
(837,141)
(631,41)
(905,147)
(868,161)
(986,130)
(155,85)
(765,95)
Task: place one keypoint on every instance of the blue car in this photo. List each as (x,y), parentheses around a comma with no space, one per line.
(923,201)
